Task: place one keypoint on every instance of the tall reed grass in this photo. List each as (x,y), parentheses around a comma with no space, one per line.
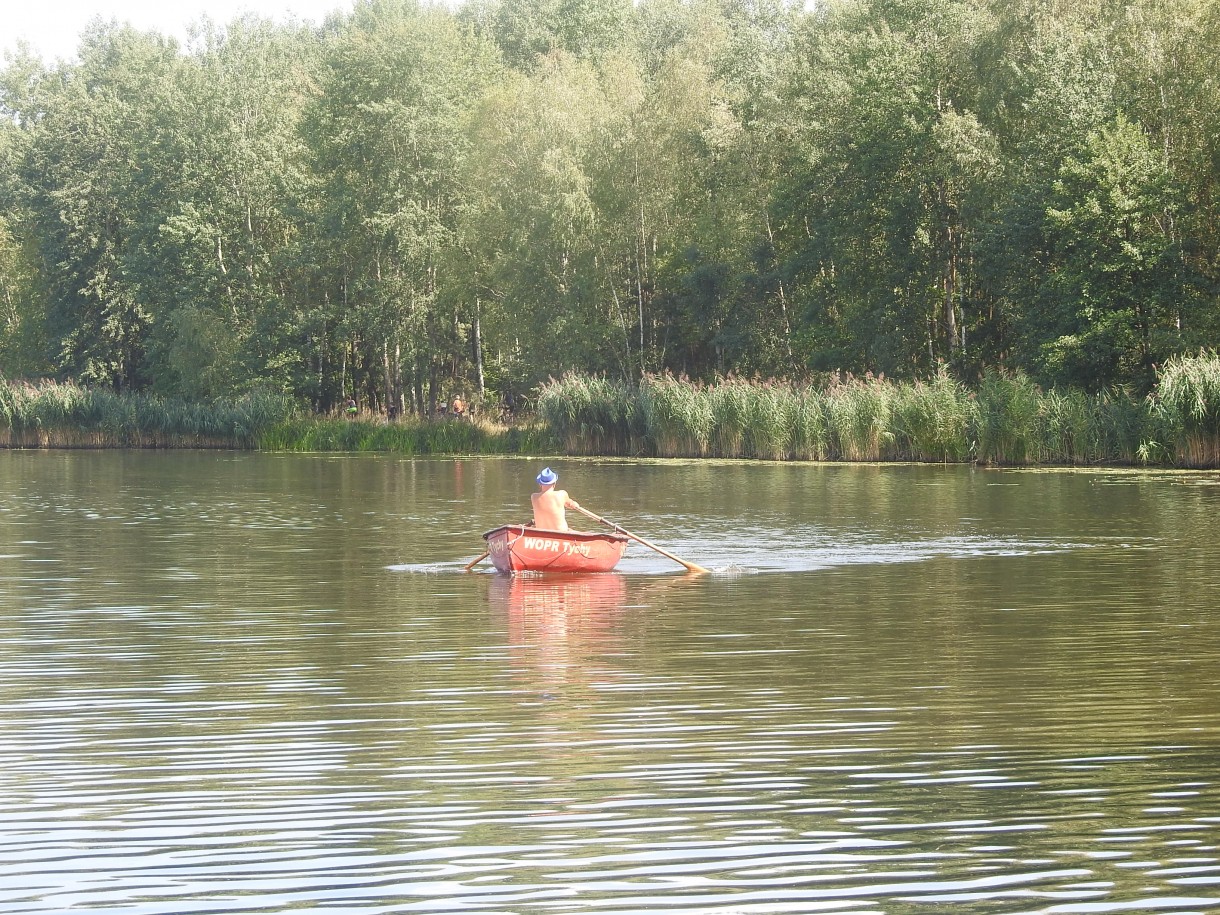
(771,421)
(930,421)
(858,413)
(1006,421)
(591,415)
(810,425)
(679,416)
(732,404)
(1187,404)
(64,415)
(1079,428)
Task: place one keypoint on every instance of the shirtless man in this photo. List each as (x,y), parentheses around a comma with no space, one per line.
(549,503)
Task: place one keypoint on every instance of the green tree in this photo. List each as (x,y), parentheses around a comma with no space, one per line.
(667,207)
(724,292)
(22,342)
(1090,251)
(23,351)
(388,138)
(885,182)
(527,226)
(527,31)
(1044,88)
(88,176)
(1116,284)
(1166,81)
(234,185)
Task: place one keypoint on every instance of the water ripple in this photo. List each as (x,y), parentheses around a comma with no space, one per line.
(252,707)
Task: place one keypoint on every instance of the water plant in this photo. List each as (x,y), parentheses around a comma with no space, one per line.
(731,406)
(1187,402)
(771,421)
(858,414)
(1125,423)
(810,424)
(931,420)
(1069,430)
(408,436)
(678,414)
(590,414)
(1006,419)
(65,415)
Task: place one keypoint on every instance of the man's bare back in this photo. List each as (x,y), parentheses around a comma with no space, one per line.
(549,503)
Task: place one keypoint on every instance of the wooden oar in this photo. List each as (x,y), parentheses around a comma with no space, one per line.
(652,546)
(474,562)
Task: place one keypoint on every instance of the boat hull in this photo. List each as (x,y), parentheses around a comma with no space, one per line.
(520,548)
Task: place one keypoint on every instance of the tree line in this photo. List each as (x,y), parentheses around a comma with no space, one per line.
(408,200)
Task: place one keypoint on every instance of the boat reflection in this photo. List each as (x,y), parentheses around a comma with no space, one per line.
(560,625)
(526,593)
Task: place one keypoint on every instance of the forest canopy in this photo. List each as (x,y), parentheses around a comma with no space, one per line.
(410,200)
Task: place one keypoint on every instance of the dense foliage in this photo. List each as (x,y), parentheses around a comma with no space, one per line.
(411,201)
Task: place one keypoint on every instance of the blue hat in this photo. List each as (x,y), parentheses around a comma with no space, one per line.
(547,477)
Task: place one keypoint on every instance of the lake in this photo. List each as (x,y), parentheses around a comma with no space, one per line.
(239,682)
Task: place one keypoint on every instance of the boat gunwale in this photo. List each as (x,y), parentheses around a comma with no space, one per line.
(613,537)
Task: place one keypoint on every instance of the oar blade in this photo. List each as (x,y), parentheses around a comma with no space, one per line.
(474,562)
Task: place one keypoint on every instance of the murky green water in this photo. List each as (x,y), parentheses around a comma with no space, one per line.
(261,683)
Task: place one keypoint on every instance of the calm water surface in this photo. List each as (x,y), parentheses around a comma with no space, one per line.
(263,683)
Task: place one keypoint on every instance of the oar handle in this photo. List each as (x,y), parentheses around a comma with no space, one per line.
(693,567)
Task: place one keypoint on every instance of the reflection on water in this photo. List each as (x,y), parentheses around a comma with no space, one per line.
(556,623)
(239,683)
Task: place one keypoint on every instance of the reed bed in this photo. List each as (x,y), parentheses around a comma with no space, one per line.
(1186,403)
(732,405)
(732,418)
(591,415)
(679,416)
(64,415)
(1078,428)
(859,415)
(1069,429)
(810,425)
(772,418)
(1006,420)
(930,421)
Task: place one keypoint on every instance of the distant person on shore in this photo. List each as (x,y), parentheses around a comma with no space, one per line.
(351,409)
(550,503)
(459,407)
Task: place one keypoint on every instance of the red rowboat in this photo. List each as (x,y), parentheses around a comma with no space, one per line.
(521,548)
